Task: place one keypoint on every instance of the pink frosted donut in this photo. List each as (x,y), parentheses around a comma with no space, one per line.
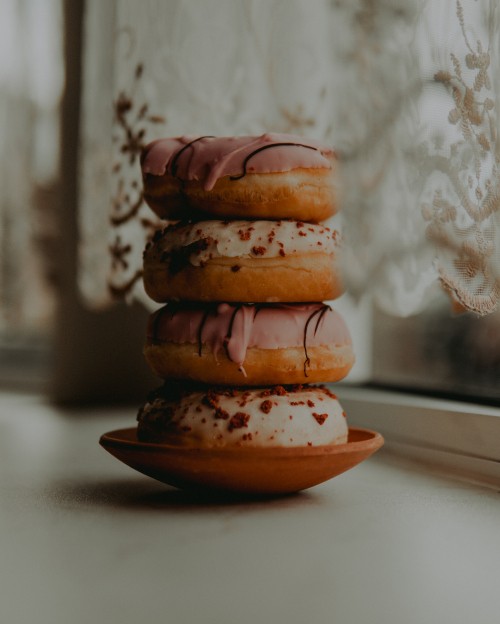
(249,345)
(272,176)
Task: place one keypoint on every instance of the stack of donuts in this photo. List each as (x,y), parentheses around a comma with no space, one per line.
(242,269)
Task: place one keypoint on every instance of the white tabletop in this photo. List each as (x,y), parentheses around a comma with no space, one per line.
(86,539)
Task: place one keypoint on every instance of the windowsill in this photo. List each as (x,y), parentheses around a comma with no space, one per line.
(383,542)
(377,543)
(458,438)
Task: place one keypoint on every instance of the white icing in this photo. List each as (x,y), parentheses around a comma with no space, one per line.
(196,423)
(249,239)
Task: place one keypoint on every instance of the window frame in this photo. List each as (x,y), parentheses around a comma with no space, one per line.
(455,437)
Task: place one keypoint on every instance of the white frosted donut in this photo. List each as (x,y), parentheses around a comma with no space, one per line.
(249,344)
(244,261)
(272,176)
(297,416)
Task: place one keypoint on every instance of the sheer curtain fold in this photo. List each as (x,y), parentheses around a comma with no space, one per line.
(404,89)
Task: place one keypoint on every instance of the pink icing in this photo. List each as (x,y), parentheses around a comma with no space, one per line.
(209,158)
(239,327)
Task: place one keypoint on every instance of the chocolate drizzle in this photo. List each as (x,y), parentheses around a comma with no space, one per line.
(321,315)
(212,310)
(200,329)
(229,332)
(261,149)
(180,256)
(179,153)
(320,312)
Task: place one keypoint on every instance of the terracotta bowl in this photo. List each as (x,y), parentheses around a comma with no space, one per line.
(264,471)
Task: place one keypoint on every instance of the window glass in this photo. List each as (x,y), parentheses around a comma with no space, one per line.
(441,351)
(31,81)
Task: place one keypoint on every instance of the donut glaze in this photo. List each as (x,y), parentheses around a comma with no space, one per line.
(277,416)
(245,261)
(249,344)
(207,159)
(258,177)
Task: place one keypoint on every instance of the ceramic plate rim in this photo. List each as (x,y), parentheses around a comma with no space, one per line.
(125,438)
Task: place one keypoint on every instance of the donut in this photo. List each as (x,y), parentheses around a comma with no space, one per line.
(244,261)
(249,344)
(277,416)
(273,176)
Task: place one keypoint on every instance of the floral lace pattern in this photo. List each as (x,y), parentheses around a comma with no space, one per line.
(404,89)
(463,223)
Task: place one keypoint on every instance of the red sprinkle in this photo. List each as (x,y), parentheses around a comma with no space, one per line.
(266,406)
(320,418)
(244,235)
(221,413)
(258,251)
(238,420)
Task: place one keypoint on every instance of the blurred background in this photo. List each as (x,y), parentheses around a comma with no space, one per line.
(32,78)
(404,90)
(51,340)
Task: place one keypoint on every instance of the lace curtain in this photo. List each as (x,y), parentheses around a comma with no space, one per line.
(405,90)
